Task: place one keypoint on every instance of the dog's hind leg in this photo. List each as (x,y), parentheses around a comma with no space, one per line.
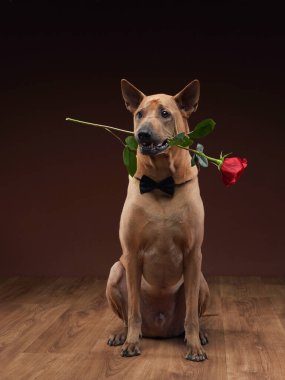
(204,295)
(116,293)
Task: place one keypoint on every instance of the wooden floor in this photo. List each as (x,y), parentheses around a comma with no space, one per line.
(57,328)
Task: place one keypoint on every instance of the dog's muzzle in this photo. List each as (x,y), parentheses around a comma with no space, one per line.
(148,144)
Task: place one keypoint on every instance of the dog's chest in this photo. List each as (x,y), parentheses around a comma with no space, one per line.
(163,241)
(164,224)
(161,232)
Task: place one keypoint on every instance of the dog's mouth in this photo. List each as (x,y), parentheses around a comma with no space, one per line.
(152,148)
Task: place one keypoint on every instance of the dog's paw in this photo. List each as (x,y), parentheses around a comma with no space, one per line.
(203,338)
(117,339)
(195,351)
(130,349)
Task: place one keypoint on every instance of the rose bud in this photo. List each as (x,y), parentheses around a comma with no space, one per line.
(232,168)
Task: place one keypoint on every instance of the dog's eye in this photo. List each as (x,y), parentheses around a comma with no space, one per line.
(139,115)
(164,113)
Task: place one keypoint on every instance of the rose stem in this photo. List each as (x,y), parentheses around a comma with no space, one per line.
(114,134)
(98,125)
(213,160)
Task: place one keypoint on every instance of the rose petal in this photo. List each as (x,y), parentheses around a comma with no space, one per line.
(232,168)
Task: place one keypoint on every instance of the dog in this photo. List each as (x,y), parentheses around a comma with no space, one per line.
(157,287)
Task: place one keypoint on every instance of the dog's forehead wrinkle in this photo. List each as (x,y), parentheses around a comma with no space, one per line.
(158,100)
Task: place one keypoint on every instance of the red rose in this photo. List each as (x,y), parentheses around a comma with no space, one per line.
(232,168)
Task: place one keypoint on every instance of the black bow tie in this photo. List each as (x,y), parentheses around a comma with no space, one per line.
(147,184)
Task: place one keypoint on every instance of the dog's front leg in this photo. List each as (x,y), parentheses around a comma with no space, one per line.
(192,270)
(133,277)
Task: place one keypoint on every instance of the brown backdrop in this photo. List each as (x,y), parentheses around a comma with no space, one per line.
(63,186)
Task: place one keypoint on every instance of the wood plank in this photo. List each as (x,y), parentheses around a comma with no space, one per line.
(75,330)
(27,366)
(251,328)
(81,291)
(52,290)
(12,289)
(279,309)
(215,305)
(23,326)
(274,287)
(161,358)
(58,329)
(240,287)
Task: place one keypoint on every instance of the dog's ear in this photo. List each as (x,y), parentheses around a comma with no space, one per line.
(132,96)
(188,98)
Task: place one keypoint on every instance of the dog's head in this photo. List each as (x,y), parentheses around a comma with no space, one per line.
(159,117)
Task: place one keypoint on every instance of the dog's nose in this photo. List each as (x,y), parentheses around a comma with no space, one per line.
(144,136)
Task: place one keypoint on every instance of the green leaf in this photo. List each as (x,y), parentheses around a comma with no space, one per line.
(130,160)
(200,148)
(186,142)
(176,140)
(203,161)
(180,139)
(202,129)
(194,160)
(131,142)
(180,135)
(132,163)
(126,156)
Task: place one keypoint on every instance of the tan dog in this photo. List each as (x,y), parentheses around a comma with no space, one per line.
(157,288)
